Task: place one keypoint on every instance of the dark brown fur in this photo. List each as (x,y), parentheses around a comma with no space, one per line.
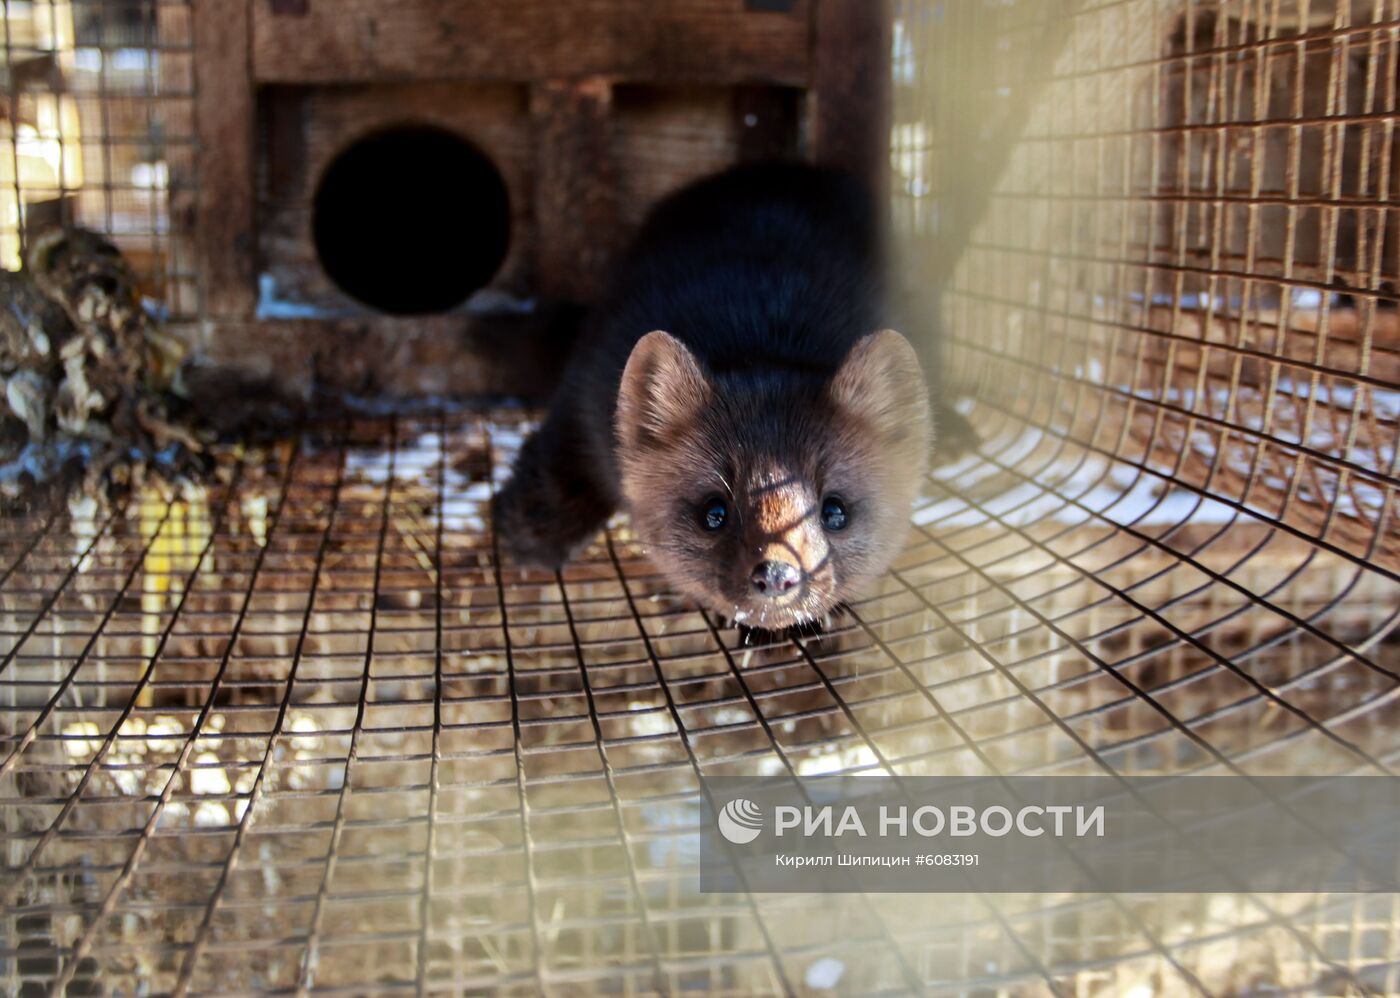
(682,437)
(737,357)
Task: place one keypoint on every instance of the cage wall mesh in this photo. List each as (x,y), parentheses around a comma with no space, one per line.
(301,730)
(99,132)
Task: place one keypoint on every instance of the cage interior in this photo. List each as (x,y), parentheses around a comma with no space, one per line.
(303,730)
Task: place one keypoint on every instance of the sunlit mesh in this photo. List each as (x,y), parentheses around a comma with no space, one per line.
(302,730)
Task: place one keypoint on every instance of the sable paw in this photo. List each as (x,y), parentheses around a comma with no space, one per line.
(529,536)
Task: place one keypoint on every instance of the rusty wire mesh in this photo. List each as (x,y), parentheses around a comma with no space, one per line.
(98,131)
(304,732)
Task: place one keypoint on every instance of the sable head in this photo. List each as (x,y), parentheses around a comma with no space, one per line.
(768,495)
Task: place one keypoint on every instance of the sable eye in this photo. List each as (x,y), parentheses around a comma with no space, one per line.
(714,513)
(834,515)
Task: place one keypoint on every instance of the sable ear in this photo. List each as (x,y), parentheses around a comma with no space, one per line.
(881,382)
(662,390)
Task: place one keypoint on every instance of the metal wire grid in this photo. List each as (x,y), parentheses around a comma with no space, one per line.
(303,733)
(1164,248)
(98,131)
(1185,259)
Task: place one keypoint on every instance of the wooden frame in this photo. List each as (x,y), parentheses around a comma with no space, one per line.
(744,78)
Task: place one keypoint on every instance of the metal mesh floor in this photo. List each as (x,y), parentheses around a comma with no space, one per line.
(304,733)
(301,732)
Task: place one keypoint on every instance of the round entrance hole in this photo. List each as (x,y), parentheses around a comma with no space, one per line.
(411,220)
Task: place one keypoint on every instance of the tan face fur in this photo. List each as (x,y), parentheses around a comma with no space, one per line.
(772,448)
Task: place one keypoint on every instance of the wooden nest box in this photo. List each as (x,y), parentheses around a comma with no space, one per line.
(397,196)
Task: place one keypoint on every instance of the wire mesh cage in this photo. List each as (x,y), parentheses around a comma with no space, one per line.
(98,132)
(301,729)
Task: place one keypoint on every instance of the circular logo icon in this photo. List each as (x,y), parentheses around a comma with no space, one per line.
(741,821)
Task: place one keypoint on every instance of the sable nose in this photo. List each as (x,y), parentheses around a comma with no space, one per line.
(774,578)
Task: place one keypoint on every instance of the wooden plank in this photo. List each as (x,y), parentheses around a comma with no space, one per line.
(678,41)
(575,186)
(283,161)
(665,137)
(320,122)
(520,356)
(174,113)
(766,121)
(224,222)
(851,86)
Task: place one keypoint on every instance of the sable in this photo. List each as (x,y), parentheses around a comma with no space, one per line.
(736,394)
